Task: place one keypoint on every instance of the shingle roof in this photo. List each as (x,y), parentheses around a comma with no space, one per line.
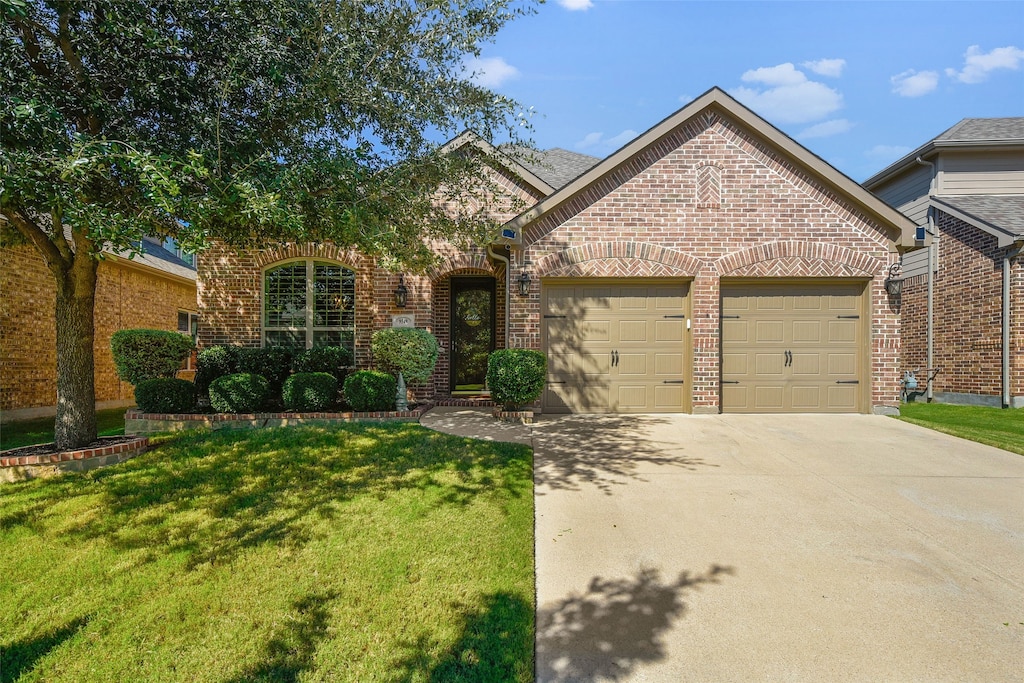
(557,167)
(976,130)
(158,258)
(1005,212)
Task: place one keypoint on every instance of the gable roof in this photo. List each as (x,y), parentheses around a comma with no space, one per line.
(155,257)
(557,166)
(539,185)
(716,98)
(967,133)
(998,215)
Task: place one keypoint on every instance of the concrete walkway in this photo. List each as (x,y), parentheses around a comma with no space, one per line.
(795,548)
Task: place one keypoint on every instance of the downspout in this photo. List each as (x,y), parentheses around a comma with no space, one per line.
(508,282)
(931,285)
(1011,253)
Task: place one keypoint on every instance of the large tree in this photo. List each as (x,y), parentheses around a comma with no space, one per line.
(243,121)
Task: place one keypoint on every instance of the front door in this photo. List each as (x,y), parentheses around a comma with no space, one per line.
(472,333)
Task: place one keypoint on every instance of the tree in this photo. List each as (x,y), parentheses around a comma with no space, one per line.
(243,121)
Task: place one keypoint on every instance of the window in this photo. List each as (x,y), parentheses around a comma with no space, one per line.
(309,303)
(188,323)
(171,245)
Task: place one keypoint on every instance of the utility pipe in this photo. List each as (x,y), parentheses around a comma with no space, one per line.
(930,362)
(1008,255)
(508,285)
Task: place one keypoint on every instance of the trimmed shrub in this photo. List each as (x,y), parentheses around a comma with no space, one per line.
(214,362)
(274,363)
(310,391)
(332,359)
(147,354)
(239,393)
(408,350)
(165,395)
(370,391)
(516,376)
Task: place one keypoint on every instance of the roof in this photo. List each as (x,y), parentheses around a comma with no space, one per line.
(156,257)
(716,98)
(557,167)
(510,161)
(999,215)
(967,133)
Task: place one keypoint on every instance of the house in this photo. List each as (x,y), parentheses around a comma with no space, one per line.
(712,264)
(966,188)
(156,289)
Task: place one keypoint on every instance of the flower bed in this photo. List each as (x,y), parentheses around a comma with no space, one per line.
(136,422)
(31,462)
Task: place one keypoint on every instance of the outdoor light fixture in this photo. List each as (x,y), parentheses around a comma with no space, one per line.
(524,283)
(401,293)
(894,283)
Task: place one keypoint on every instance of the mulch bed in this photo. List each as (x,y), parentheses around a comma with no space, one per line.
(51,449)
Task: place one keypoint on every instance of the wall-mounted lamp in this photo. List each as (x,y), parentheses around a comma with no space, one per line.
(401,293)
(524,283)
(894,283)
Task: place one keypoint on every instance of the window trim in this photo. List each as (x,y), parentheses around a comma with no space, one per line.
(309,329)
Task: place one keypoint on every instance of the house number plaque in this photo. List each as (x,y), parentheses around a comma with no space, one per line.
(404,320)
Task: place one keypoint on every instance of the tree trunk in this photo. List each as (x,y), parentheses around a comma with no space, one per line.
(76,385)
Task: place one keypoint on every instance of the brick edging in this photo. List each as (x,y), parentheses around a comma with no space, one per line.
(231,417)
(138,444)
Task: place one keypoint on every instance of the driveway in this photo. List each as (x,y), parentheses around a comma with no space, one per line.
(791,548)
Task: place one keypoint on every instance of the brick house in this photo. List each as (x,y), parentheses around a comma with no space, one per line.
(156,290)
(712,264)
(966,188)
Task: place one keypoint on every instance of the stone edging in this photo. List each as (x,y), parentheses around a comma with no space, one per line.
(19,468)
(147,423)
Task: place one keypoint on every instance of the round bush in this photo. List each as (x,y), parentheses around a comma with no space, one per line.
(310,391)
(274,363)
(370,391)
(165,395)
(408,350)
(332,359)
(239,393)
(147,354)
(214,362)
(516,376)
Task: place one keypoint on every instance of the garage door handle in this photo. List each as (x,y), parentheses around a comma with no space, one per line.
(730,381)
(556,382)
(673,316)
(553,316)
(848,381)
(673,381)
(848,317)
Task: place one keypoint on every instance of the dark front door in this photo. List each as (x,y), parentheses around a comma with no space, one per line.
(472,331)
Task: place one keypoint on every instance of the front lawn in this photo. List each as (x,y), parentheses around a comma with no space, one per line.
(993,426)
(358,553)
(40,430)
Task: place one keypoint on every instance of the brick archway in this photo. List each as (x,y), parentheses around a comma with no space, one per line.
(798,259)
(612,259)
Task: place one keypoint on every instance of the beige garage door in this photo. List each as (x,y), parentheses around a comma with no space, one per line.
(797,348)
(616,346)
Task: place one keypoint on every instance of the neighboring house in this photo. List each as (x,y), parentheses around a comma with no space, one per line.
(966,186)
(713,264)
(153,290)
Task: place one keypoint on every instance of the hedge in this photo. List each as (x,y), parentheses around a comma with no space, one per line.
(516,376)
(370,391)
(148,354)
(408,350)
(239,393)
(165,395)
(310,391)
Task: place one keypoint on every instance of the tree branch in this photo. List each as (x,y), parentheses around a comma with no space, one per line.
(32,47)
(67,48)
(31,231)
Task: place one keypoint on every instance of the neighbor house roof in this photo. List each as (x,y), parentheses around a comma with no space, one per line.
(996,133)
(718,99)
(998,215)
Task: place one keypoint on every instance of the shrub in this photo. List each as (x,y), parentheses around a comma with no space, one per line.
(369,390)
(516,376)
(239,393)
(310,391)
(215,362)
(332,359)
(147,354)
(408,350)
(165,395)
(274,363)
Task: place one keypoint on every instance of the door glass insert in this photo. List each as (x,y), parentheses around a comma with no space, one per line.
(472,333)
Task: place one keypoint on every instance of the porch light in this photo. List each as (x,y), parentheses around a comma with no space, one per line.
(894,283)
(401,293)
(524,283)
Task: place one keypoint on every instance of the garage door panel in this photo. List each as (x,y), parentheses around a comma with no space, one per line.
(668,299)
(596,298)
(736,331)
(806,364)
(842,364)
(769,396)
(842,331)
(842,397)
(670,397)
(632,331)
(737,396)
(769,331)
(669,331)
(769,364)
(735,364)
(668,364)
(632,364)
(807,331)
(806,397)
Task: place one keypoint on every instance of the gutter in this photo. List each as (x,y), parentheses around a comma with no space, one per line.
(1008,255)
(508,284)
(930,362)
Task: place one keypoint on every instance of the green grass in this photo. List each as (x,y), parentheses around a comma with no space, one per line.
(40,430)
(992,426)
(361,553)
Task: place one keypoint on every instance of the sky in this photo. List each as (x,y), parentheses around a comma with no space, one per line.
(860,84)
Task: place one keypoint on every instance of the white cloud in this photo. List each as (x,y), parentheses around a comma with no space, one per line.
(783,74)
(490,72)
(912,83)
(599,143)
(575,5)
(825,129)
(978,65)
(789,97)
(886,153)
(826,67)
(686,99)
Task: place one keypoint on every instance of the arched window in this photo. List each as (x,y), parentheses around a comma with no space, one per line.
(309,303)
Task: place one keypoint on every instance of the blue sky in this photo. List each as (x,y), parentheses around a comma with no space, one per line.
(858,83)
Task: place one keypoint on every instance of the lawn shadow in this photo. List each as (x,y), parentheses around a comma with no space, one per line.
(614,626)
(605,450)
(496,644)
(21,657)
(292,649)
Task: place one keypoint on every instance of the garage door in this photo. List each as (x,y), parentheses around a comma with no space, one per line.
(616,346)
(798,348)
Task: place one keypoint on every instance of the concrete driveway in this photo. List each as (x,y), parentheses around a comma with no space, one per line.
(789,548)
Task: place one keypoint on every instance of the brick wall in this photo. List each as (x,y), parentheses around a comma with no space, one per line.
(657,215)
(127,296)
(967,315)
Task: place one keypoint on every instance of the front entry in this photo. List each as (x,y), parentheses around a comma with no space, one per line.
(472,332)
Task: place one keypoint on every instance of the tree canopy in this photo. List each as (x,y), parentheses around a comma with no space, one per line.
(245,121)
